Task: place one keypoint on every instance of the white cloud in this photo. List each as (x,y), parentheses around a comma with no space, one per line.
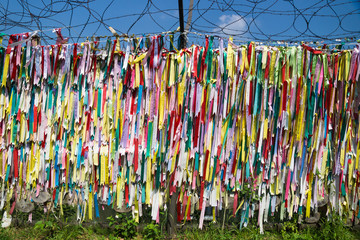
(231,24)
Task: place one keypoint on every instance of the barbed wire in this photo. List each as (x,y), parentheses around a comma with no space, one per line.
(257,20)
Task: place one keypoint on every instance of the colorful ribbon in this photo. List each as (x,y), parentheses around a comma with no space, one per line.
(129,128)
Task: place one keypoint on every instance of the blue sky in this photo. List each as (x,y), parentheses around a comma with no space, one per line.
(261,20)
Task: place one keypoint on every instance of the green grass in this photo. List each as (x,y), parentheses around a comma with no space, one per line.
(334,229)
(209,232)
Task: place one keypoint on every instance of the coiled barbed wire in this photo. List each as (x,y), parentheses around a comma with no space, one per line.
(245,20)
